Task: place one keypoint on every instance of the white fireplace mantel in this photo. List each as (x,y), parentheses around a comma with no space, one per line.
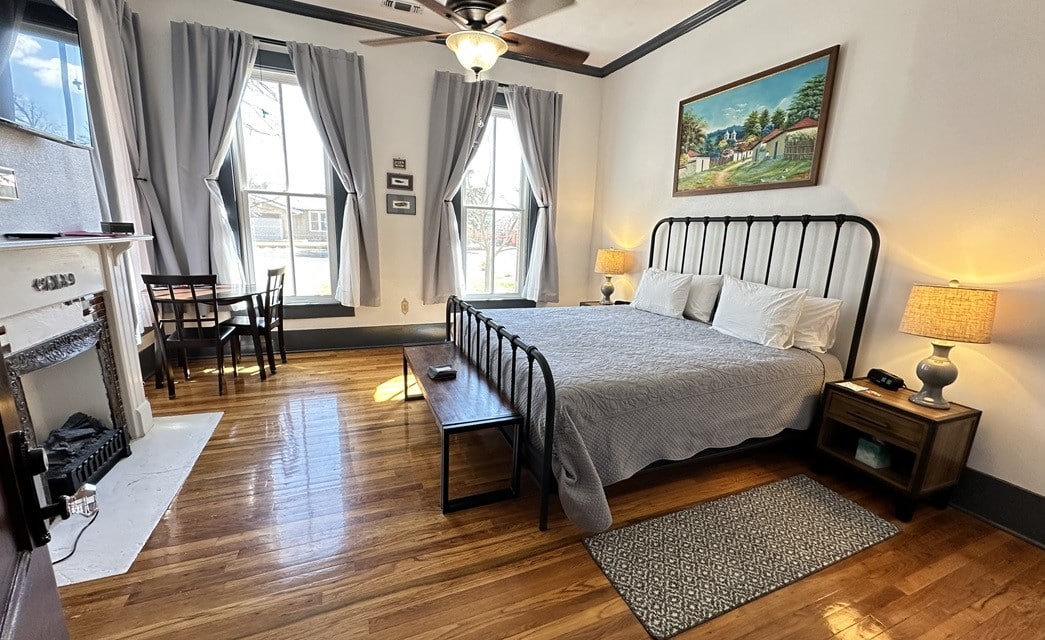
(34,302)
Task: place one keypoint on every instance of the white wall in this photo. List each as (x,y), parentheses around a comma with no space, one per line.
(935,135)
(399,82)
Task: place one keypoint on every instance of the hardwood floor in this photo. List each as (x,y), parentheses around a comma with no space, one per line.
(313,513)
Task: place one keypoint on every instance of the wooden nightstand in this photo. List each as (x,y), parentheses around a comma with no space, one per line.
(927,447)
(596,303)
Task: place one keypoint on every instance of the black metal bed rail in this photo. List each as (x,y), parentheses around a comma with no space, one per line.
(747,223)
(478,337)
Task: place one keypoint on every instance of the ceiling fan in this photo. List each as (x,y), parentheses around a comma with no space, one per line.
(486,31)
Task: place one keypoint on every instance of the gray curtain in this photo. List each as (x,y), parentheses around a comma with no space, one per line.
(211,69)
(334,86)
(537,116)
(121,33)
(459,110)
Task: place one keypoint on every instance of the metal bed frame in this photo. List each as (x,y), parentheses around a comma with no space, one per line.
(479,337)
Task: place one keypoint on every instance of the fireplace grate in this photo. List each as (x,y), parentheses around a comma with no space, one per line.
(94,451)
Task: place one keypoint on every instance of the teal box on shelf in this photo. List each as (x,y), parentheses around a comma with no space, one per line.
(873,453)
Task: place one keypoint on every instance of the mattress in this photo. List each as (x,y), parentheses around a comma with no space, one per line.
(633,388)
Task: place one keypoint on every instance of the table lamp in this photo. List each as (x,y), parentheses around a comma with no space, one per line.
(947,314)
(609,262)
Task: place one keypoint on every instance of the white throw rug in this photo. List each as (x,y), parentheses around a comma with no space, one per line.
(132,498)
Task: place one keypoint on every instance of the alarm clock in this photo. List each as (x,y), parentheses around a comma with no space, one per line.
(884,379)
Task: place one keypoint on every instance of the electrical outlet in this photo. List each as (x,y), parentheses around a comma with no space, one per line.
(404,306)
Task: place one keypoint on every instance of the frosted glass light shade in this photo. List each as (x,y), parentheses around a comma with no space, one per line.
(476,50)
(609,262)
(952,313)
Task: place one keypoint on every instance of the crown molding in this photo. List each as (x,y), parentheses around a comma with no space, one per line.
(394,28)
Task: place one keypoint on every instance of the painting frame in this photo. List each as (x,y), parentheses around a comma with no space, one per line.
(699,171)
(400,204)
(403,181)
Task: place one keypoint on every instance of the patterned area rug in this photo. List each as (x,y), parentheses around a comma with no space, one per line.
(682,569)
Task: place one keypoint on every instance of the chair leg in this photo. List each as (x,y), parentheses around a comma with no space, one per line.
(183,356)
(169,372)
(268,345)
(221,368)
(234,348)
(282,344)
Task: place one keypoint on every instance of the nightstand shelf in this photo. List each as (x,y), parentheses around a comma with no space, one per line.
(927,447)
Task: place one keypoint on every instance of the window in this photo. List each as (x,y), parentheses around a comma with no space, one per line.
(43,88)
(284,187)
(495,204)
(317,222)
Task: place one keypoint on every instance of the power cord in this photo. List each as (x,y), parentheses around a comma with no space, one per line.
(77,540)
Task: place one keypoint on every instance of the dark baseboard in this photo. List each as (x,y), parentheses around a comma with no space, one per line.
(507,303)
(1002,504)
(326,340)
(363,337)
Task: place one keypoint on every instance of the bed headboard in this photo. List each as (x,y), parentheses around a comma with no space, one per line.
(832,256)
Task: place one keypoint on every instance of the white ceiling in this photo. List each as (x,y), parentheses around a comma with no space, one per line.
(606,28)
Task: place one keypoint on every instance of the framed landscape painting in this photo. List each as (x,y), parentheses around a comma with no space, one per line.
(765,131)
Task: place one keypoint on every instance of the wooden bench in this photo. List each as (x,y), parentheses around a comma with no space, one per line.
(468,402)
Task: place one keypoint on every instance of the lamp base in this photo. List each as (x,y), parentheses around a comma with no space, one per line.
(936,372)
(607,291)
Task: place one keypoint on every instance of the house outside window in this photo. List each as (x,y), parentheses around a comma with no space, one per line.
(495,212)
(284,188)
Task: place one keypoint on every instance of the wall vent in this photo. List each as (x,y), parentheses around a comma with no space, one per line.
(399,5)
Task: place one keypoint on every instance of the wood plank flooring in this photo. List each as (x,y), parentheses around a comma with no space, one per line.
(313,513)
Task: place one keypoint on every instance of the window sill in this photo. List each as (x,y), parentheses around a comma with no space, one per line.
(307,308)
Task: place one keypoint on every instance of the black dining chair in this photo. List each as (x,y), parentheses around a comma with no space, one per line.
(270,318)
(186,317)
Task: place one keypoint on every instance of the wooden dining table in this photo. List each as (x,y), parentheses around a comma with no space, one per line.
(227,295)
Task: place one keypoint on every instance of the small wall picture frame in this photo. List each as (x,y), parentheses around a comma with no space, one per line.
(403,181)
(8,184)
(401,204)
(399,163)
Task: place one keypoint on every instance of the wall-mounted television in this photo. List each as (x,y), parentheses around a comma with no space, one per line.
(41,72)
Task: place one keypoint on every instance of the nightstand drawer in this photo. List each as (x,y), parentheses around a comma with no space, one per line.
(876,421)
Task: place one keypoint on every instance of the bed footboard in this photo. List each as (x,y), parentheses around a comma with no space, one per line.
(486,344)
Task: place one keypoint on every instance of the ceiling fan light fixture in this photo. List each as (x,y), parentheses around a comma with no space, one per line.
(477,51)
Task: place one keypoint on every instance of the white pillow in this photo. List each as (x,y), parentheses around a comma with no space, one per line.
(703,292)
(816,326)
(757,313)
(662,292)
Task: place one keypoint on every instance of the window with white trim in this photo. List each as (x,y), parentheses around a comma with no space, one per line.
(495,212)
(284,188)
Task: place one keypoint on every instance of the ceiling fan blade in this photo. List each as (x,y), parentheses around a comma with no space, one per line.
(543,50)
(441,10)
(380,42)
(516,12)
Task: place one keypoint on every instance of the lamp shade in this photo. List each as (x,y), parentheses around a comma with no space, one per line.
(609,262)
(958,314)
(476,50)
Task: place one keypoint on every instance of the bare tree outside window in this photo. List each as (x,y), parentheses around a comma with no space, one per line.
(494,194)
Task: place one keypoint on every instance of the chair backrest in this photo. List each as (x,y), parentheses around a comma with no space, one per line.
(273,300)
(190,299)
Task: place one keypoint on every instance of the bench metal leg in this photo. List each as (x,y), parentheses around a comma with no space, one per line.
(406,383)
(478,499)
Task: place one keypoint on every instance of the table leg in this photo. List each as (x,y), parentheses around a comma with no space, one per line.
(252,314)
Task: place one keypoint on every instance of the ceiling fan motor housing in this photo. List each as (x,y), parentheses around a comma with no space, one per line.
(474,11)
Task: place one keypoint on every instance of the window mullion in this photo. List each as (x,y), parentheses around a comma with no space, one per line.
(492,251)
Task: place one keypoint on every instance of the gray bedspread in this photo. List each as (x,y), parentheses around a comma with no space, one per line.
(633,388)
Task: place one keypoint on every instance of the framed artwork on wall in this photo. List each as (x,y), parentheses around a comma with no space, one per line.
(765,131)
(403,181)
(396,203)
